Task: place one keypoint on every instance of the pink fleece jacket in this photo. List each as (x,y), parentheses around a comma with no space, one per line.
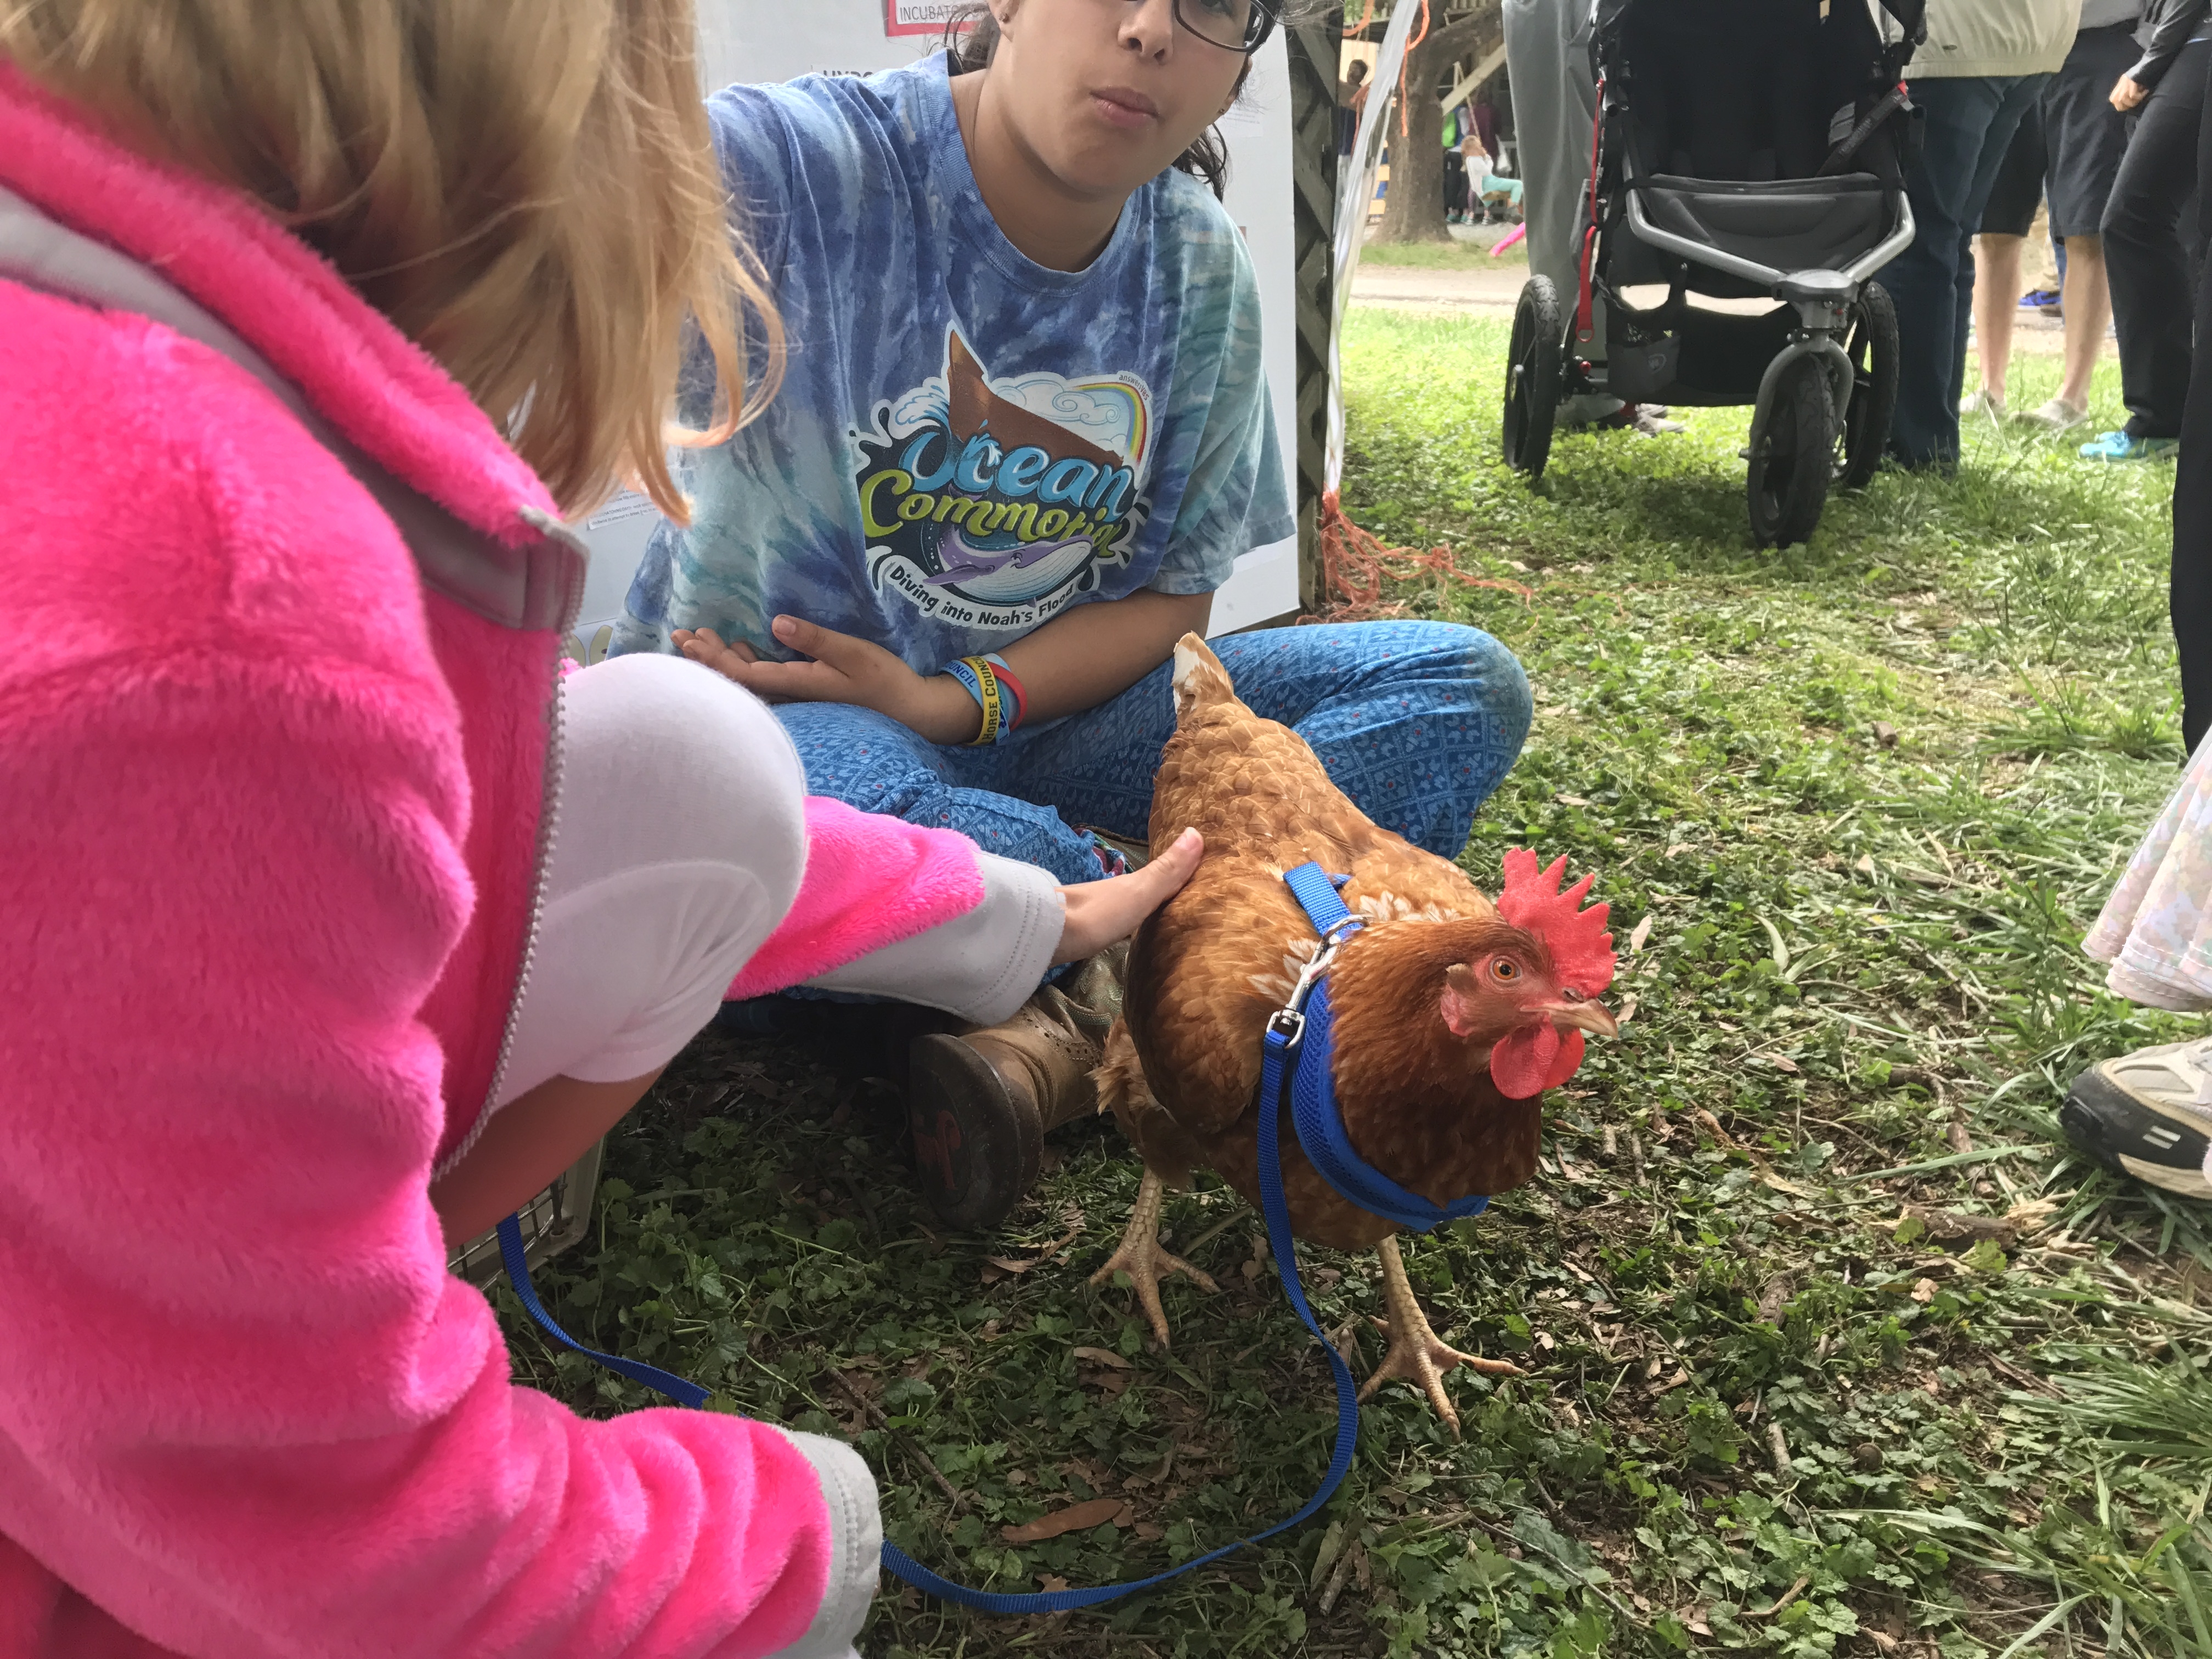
(266,867)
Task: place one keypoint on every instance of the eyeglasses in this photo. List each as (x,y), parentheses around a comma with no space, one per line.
(1242,26)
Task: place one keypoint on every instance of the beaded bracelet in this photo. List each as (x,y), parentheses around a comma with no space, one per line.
(996,691)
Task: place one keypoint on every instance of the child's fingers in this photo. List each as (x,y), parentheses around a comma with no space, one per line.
(1100,912)
(848,654)
(788,682)
(704,644)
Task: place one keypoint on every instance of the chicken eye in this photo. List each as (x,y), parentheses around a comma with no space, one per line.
(1505,970)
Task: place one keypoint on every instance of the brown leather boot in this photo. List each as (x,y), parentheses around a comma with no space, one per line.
(981,1102)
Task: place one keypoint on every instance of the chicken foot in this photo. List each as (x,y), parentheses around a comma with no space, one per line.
(1142,1258)
(1416,1352)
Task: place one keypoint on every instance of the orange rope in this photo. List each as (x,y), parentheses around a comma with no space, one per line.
(1405,64)
(1355,563)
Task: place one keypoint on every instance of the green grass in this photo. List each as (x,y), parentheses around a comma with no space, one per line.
(1458,254)
(1868,794)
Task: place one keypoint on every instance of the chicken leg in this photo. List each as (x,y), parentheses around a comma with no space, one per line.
(1144,1262)
(1416,1352)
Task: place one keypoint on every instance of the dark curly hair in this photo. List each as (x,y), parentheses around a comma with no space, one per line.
(972,36)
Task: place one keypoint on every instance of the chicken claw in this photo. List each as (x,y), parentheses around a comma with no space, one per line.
(1416,1352)
(1141,1257)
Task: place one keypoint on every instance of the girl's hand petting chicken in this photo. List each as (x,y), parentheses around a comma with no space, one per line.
(1101,912)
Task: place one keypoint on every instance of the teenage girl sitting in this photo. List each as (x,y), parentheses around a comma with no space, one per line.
(329,928)
(1026,420)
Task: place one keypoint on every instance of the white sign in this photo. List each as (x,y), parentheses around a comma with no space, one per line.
(782,39)
(921,16)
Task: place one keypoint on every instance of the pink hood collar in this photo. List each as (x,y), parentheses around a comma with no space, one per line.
(379,390)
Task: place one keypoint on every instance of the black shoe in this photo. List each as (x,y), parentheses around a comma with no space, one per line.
(2140,1115)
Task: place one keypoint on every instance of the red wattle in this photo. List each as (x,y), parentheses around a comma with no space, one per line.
(1521,1064)
(1571,1056)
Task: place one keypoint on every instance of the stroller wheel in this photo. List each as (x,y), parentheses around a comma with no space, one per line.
(1791,462)
(1874,352)
(1532,378)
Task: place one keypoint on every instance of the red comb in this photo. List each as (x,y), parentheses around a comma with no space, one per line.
(1581,948)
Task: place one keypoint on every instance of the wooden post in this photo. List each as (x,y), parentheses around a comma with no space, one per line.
(1314,52)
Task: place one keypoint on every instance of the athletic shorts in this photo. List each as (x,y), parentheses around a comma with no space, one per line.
(2019,189)
(2086,136)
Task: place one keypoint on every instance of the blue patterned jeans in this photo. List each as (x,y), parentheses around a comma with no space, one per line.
(1416,721)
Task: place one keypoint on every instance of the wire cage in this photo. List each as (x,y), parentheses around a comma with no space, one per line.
(556,1219)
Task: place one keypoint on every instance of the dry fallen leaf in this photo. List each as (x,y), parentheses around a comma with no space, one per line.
(1050,1582)
(1627,1008)
(1076,1517)
(1769,1178)
(1149,1532)
(1022,1264)
(1643,932)
(1571,801)
(1105,1356)
(1113,1384)
(1924,1290)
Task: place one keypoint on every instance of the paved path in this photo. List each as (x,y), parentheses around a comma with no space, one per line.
(1492,294)
(1479,293)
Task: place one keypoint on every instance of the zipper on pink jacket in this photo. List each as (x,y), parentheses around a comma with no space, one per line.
(548,829)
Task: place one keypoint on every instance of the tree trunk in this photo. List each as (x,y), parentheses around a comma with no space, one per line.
(1414,211)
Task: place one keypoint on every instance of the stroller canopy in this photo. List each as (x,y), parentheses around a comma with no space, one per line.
(1748,90)
(1911,15)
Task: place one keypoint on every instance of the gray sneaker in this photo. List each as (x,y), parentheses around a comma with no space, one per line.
(2147,1115)
(2059,415)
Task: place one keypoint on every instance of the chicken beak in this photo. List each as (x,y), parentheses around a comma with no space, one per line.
(1584,1015)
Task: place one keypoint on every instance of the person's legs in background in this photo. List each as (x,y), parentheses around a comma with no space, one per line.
(2006,219)
(2147,267)
(1969,123)
(2088,312)
(2192,592)
(2086,138)
(1997,302)
(1554,106)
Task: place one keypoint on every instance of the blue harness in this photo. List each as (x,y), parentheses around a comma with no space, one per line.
(1296,1044)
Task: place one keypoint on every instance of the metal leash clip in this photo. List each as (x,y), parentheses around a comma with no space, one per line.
(1288,1022)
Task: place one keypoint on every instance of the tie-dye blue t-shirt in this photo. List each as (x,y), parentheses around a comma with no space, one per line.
(967,443)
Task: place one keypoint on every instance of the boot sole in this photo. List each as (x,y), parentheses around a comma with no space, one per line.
(2158,1147)
(977,1148)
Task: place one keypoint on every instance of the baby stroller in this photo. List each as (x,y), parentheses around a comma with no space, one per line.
(1747,183)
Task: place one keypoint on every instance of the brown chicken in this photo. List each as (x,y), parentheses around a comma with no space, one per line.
(1452,1014)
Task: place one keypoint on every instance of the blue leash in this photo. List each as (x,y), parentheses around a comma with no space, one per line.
(682,1390)
(1296,1050)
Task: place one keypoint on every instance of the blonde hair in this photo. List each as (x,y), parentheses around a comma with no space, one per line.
(527,188)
